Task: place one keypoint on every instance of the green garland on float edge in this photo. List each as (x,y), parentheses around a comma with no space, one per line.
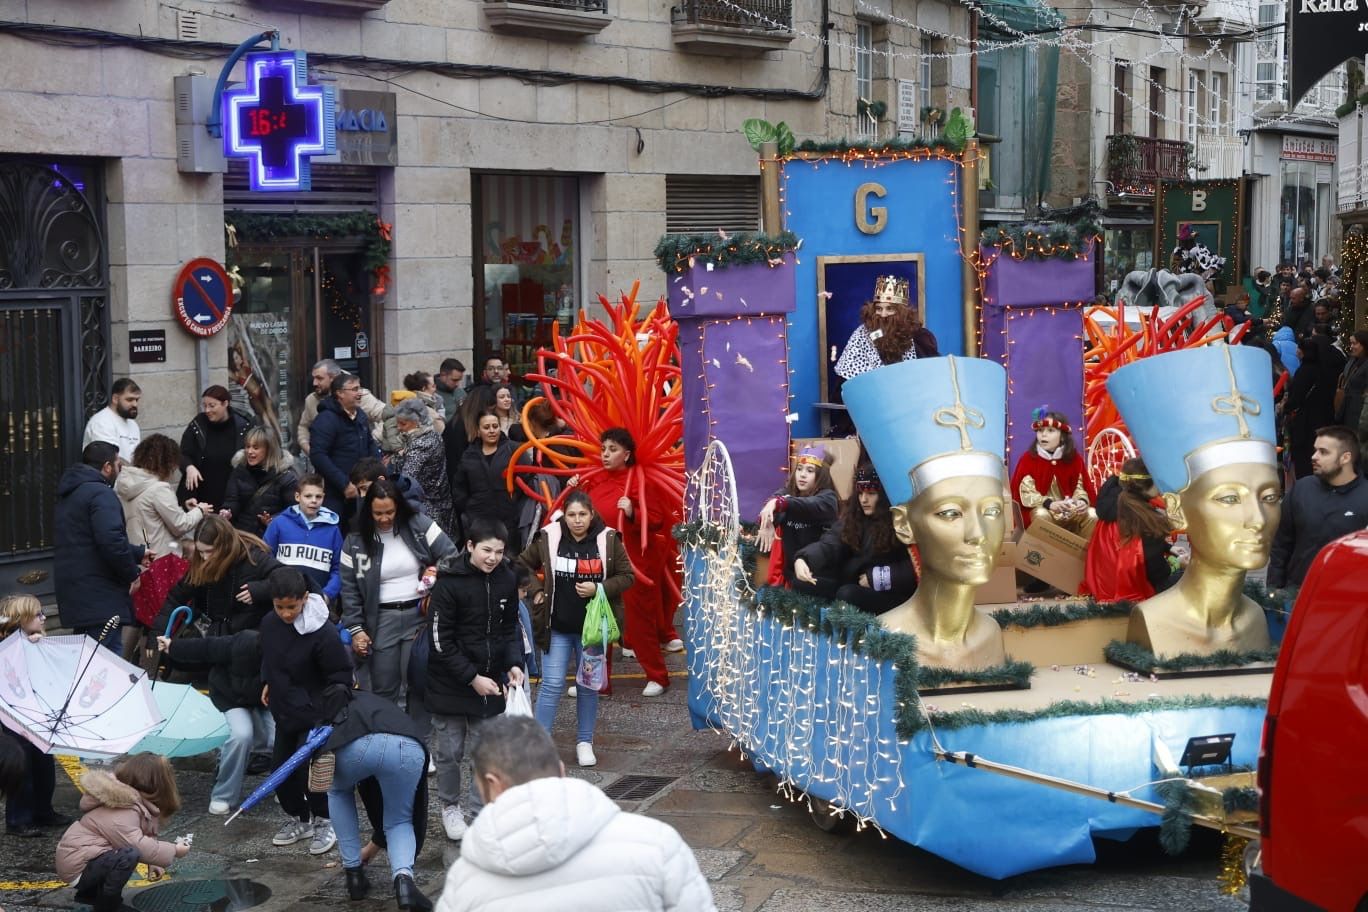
(844,146)
(1053,615)
(677,252)
(1023,241)
(1175,824)
(1133,656)
(258,227)
(1105,707)
(1241,798)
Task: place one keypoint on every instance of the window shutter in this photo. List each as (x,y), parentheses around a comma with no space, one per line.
(707,202)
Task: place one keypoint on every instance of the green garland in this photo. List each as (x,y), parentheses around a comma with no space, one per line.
(1175,824)
(1240,799)
(1052,615)
(1104,707)
(1270,599)
(1051,241)
(258,227)
(677,252)
(1133,656)
(843,146)
(1011,673)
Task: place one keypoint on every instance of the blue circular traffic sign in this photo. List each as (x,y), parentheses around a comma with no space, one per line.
(202,297)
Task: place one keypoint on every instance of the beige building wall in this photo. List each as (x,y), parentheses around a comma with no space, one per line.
(114,103)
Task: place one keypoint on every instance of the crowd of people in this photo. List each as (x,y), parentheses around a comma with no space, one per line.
(384,581)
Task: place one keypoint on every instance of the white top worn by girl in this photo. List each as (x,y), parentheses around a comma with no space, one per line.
(399,570)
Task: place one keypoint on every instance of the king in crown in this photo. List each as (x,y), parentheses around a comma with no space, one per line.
(890,331)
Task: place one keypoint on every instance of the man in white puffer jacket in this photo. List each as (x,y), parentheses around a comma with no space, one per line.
(555,843)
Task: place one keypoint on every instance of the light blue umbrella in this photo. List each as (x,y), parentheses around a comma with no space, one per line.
(193,725)
(292,763)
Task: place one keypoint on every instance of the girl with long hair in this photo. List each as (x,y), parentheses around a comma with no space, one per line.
(228,582)
(800,513)
(505,406)
(28,799)
(860,560)
(1128,553)
(478,490)
(262,484)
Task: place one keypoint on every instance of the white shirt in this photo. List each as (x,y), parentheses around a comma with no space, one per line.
(107,426)
(398,570)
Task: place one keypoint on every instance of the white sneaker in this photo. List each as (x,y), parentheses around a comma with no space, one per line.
(628,653)
(675,645)
(432,764)
(291,832)
(323,837)
(652,689)
(572,691)
(453,821)
(219,808)
(584,752)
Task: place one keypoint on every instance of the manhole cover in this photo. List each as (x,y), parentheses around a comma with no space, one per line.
(201,896)
(637,788)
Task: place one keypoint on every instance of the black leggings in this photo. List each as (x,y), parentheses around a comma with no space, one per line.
(104,878)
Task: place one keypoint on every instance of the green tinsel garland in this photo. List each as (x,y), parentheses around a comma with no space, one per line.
(255,226)
(1011,673)
(1180,804)
(1106,707)
(1133,656)
(1270,599)
(1052,615)
(1240,799)
(1051,241)
(844,146)
(677,252)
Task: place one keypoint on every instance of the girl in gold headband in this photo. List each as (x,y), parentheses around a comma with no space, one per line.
(798,515)
(1128,555)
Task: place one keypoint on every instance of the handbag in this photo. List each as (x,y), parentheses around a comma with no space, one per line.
(598,616)
(322,766)
(592,673)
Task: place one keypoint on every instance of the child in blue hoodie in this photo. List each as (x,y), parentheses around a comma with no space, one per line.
(307,537)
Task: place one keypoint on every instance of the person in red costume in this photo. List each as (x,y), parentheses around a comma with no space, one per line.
(648,606)
(1051,480)
(1128,556)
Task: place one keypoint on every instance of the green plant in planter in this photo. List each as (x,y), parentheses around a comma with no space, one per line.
(758,132)
(866,108)
(1123,154)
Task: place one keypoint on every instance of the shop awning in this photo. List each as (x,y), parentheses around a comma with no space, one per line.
(1010,17)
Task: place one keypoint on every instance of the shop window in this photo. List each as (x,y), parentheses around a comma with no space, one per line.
(1124,250)
(527,270)
(708,202)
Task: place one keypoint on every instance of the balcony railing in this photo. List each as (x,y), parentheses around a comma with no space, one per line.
(1135,164)
(726,26)
(1218,157)
(548,18)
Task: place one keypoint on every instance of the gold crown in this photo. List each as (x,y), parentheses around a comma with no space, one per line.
(891,289)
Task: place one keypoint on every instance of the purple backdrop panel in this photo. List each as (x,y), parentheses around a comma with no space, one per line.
(1044,367)
(736,390)
(749,289)
(1012,283)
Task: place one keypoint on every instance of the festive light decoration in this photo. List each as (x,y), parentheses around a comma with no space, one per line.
(253,227)
(624,373)
(678,252)
(1065,241)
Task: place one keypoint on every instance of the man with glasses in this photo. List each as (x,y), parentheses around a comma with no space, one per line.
(341,435)
(322,375)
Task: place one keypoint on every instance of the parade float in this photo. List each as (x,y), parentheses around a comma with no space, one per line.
(1004,737)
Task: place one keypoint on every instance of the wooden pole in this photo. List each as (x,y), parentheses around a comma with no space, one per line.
(969,225)
(772,219)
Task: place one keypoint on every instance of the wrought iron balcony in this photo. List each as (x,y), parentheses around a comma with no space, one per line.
(729,26)
(548,18)
(1135,164)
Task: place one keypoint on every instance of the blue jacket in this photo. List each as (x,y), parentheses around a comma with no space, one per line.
(1286,344)
(313,547)
(94,563)
(336,442)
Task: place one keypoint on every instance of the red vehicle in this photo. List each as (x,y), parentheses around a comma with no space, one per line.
(1313,768)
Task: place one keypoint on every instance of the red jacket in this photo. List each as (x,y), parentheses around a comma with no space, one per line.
(1049,479)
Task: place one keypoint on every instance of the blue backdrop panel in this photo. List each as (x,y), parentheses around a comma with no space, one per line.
(819,202)
(821,715)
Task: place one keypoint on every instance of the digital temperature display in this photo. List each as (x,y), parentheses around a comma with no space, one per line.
(278,120)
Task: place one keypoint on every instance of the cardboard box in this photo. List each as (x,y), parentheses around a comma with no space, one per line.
(1001,588)
(1053,555)
(845,453)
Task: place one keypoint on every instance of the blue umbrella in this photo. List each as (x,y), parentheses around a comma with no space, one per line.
(272,782)
(193,724)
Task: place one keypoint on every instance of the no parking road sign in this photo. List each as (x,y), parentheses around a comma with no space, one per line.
(202,297)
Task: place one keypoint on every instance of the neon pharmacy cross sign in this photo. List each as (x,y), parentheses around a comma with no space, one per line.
(278,120)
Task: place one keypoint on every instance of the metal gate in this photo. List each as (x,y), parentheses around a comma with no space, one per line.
(54,350)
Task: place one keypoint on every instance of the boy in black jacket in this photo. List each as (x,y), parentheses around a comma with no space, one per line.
(301,654)
(475,649)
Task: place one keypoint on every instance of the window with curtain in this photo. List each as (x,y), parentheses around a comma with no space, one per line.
(1121,100)
(864,76)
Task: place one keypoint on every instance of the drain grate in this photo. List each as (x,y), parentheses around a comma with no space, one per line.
(201,896)
(637,788)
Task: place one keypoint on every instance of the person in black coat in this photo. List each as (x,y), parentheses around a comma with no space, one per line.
(94,564)
(235,684)
(210,441)
(860,560)
(262,485)
(475,650)
(463,428)
(227,585)
(339,436)
(800,514)
(1310,403)
(479,491)
(301,655)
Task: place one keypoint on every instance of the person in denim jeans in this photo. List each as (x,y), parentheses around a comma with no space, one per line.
(373,741)
(575,556)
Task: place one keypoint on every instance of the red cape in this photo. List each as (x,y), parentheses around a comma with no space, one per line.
(1066,472)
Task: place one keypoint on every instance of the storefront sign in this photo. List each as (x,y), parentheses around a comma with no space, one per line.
(1309,148)
(277,121)
(367,128)
(147,346)
(202,297)
(1324,34)
(1214,210)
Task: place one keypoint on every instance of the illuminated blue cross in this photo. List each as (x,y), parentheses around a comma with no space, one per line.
(278,120)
